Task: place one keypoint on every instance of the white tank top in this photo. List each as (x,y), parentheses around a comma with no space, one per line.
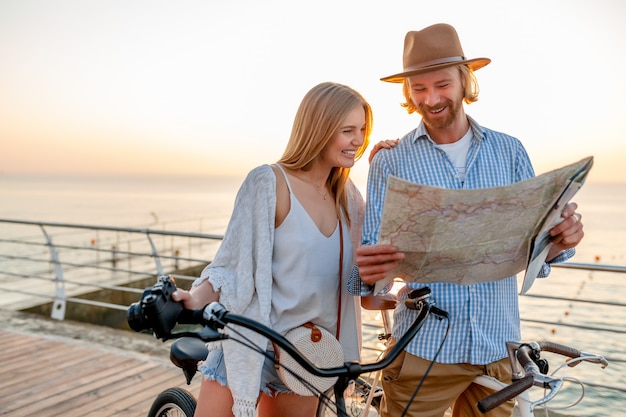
(305,268)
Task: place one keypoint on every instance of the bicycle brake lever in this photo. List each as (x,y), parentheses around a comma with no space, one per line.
(552,384)
(439,312)
(210,335)
(591,358)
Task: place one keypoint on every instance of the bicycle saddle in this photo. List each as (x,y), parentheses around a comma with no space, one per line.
(186,352)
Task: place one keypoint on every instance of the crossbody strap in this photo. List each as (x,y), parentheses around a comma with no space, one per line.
(340,277)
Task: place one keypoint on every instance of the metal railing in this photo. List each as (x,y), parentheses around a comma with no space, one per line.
(78,258)
(64,263)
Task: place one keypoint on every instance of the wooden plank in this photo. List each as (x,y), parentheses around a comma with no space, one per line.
(28,366)
(116,399)
(139,404)
(48,375)
(97,394)
(33,370)
(19,347)
(70,389)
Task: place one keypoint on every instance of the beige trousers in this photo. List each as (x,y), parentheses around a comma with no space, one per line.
(447,385)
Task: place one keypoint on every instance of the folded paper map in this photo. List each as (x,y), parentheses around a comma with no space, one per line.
(479,235)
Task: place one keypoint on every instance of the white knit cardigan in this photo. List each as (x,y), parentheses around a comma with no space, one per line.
(242,272)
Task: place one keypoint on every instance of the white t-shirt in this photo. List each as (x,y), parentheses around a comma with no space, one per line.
(457,152)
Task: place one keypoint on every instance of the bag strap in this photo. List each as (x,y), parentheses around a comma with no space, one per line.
(340,277)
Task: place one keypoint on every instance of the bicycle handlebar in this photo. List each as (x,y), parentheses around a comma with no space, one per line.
(573,353)
(526,354)
(563,350)
(215,316)
(158,312)
(492,401)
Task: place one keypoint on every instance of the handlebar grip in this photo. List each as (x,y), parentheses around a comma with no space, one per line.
(492,401)
(560,349)
(524,359)
(191,317)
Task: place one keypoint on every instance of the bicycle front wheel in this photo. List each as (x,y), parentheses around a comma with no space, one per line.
(173,402)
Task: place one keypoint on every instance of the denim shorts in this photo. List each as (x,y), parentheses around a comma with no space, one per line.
(214,369)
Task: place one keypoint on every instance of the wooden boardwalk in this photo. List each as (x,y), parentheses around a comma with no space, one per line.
(80,370)
(62,368)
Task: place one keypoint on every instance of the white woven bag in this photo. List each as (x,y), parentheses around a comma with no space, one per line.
(320,347)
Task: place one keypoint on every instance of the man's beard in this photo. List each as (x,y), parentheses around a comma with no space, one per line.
(438,122)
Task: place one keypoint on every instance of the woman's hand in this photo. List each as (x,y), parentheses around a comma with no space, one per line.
(383,144)
(198,297)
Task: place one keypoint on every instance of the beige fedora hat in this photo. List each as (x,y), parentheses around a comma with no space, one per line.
(430,49)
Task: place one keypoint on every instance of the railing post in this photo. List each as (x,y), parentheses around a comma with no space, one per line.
(59,304)
(155,254)
(114,256)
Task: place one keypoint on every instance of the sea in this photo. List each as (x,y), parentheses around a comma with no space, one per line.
(204,204)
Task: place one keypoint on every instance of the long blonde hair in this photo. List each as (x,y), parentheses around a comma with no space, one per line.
(468,79)
(321,113)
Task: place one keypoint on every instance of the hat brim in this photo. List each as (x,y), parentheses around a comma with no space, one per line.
(473,64)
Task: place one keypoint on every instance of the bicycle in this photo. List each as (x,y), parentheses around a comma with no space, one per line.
(528,367)
(157,312)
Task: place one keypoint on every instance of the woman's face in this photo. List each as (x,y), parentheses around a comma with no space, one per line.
(342,148)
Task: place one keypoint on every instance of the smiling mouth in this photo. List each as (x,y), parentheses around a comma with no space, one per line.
(437,111)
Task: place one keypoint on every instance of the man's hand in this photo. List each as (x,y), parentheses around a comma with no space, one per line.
(376,261)
(568,233)
(383,144)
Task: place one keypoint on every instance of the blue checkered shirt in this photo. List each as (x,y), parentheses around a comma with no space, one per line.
(482,316)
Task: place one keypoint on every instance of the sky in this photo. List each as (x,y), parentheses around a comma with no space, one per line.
(122,87)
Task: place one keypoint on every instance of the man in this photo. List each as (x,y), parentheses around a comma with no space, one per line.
(448,149)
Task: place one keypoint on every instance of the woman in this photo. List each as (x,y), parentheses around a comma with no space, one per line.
(293,224)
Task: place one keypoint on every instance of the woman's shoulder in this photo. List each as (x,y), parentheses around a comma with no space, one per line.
(264,169)
(261,173)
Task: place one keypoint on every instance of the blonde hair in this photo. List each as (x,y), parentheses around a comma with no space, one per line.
(320,114)
(468,80)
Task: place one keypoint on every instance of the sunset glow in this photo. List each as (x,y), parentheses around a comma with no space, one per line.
(202,88)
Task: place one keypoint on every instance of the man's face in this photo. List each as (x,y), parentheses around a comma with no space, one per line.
(438,97)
